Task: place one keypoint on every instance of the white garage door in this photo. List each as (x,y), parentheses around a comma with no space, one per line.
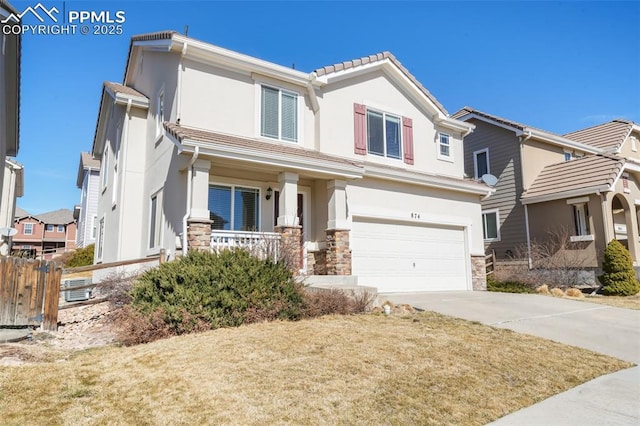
(399,257)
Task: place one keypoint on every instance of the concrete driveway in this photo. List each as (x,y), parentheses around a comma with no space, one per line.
(611,399)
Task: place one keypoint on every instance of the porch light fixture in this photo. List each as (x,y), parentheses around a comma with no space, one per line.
(269,193)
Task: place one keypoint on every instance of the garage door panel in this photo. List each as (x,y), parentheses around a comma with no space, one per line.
(402,257)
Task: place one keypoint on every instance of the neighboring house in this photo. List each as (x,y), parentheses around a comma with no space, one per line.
(9,91)
(357,164)
(47,234)
(12,187)
(584,183)
(86,213)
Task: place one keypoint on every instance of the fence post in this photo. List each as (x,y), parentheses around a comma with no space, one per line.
(52,296)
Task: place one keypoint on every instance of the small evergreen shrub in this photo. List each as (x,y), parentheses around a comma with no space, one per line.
(619,277)
(80,257)
(226,289)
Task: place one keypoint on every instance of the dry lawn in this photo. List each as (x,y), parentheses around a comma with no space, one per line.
(628,302)
(369,369)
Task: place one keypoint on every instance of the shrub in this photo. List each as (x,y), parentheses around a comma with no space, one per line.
(226,289)
(543,289)
(619,278)
(556,292)
(508,286)
(80,257)
(574,292)
(319,302)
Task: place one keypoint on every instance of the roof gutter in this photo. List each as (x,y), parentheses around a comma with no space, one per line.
(559,140)
(563,195)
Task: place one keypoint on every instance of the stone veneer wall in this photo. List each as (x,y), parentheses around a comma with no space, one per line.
(338,256)
(478,273)
(199,234)
(317,262)
(291,246)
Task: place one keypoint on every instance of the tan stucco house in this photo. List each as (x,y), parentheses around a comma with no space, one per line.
(355,163)
(584,182)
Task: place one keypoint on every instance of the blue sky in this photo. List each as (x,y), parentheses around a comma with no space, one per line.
(559,66)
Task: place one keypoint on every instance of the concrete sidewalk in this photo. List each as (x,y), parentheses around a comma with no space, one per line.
(612,399)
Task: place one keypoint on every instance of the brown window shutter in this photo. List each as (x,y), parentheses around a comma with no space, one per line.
(360,126)
(407,139)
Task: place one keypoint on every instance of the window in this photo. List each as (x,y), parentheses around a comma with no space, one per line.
(279,114)
(49,228)
(444,150)
(60,228)
(481,162)
(234,208)
(93,226)
(383,134)
(155,220)
(634,144)
(159,112)
(100,238)
(105,166)
(490,221)
(116,154)
(567,156)
(581,219)
(625,183)
(572,155)
(28,229)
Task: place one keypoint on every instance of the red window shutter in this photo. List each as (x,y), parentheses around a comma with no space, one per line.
(407,139)
(360,126)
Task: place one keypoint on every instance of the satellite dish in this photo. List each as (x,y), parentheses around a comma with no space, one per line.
(8,232)
(490,180)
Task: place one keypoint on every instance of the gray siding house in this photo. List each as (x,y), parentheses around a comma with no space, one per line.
(86,212)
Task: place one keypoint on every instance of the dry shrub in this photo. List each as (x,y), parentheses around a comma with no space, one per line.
(543,289)
(573,292)
(319,302)
(556,292)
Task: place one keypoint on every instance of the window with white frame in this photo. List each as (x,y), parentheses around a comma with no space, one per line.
(116,154)
(279,114)
(60,228)
(481,162)
(105,166)
(100,238)
(490,225)
(159,112)
(155,220)
(581,219)
(444,146)
(625,183)
(567,156)
(383,134)
(49,228)
(234,208)
(27,229)
(94,223)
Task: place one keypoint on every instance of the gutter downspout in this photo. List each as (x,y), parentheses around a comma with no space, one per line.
(526,207)
(123,136)
(605,218)
(179,95)
(194,157)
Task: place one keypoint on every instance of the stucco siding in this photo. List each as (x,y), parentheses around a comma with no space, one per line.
(536,156)
(505,164)
(377,91)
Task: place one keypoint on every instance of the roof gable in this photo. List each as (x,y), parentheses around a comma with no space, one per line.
(608,136)
(57,217)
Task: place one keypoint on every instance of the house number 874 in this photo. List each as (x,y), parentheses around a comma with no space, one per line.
(415,215)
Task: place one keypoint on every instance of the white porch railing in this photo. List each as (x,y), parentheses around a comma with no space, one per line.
(265,245)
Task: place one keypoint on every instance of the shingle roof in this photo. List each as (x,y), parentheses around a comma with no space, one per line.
(588,175)
(376,58)
(606,136)
(86,162)
(21,213)
(126,90)
(220,139)
(57,217)
(519,126)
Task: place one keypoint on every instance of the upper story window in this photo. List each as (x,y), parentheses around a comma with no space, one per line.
(383,134)
(634,143)
(60,228)
(444,146)
(572,155)
(159,112)
(49,228)
(28,229)
(279,114)
(105,166)
(481,162)
(567,156)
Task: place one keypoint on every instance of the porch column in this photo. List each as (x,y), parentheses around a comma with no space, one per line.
(338,257)
(287,224)
(632,230)
(198,223)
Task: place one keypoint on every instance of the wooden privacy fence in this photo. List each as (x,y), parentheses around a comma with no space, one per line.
(29,293)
